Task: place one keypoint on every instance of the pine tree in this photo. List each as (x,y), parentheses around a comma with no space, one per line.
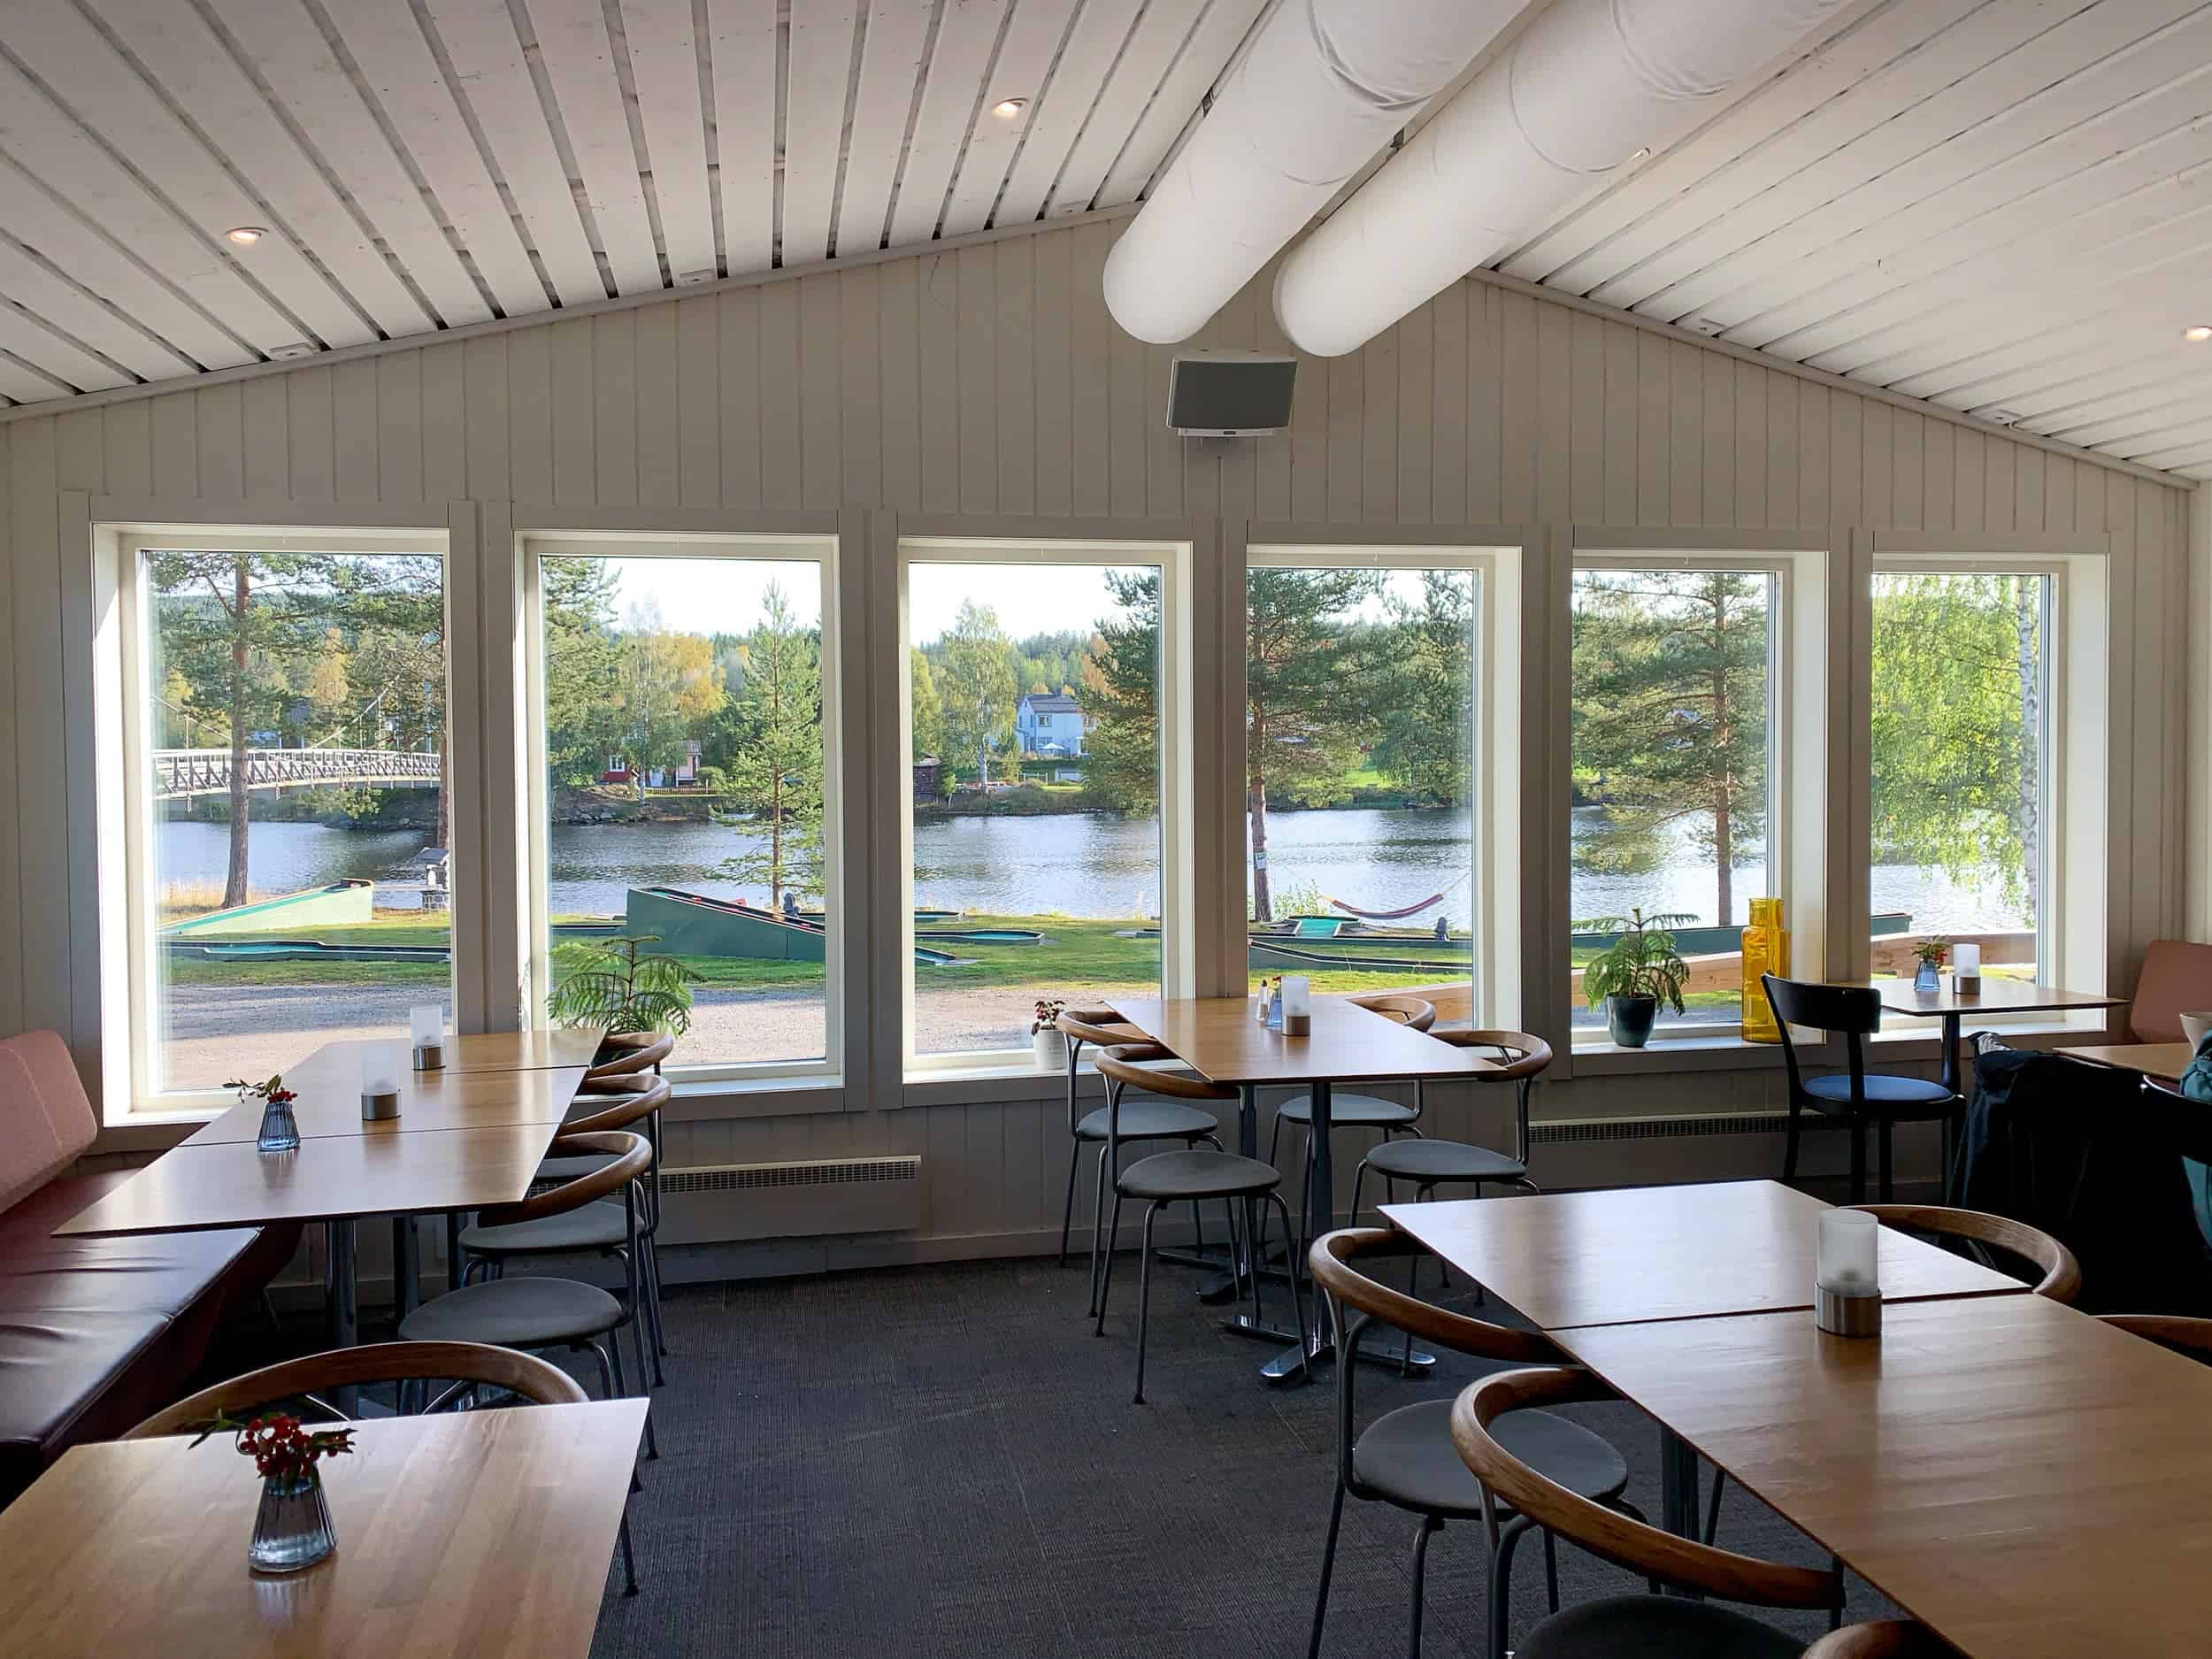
(776,779)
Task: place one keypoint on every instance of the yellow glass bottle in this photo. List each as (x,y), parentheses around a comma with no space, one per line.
(1766,949)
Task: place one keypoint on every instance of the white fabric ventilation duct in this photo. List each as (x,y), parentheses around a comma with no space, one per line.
(1588,85)
(1324,86)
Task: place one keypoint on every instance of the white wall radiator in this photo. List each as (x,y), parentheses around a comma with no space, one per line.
(722,1202)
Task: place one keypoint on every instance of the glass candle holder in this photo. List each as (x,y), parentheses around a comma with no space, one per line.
(382,1063)
(1297,1005)
(1966,965)
(1846,1285)
(426,1025)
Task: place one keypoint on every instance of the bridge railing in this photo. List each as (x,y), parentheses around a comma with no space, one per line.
(186,772)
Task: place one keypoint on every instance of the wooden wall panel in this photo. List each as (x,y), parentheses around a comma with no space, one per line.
(990,381)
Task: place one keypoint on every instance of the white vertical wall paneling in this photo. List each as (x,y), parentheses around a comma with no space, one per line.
(579,61)
(396,65)
(891,57)
(1032,38)
(814,124)
(290,56)
(665,68)
(947,114)
(478,36)
(991,382)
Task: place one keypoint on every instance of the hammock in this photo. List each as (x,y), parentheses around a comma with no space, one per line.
(1394,915)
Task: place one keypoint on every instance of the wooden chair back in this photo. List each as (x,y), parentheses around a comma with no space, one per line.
(626,1100)
(2177,1331)
(1081,1028)
(2176,979)
(1608,1533)
(631,1157)
(1882,1639)
(2061,1274)
(313,1374)
(1121,1072)
(1523,1057)
(1407,1010)
(637,1051)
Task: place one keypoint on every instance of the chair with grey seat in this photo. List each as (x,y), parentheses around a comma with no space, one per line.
(604,1227)
(1349,1111)
(1405,1457)
(1190,1176)
(1141,1120)
(1428,1162)
(617,1103)
(541,1312)
(1861,1098)
(1651,1626)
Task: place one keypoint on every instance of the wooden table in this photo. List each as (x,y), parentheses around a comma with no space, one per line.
(329,1103)
(1657,1254)
(544,1047)
(2027,1481)
(1995,997)
(1631,1255)
(1217,1038)
(475,1535)
(2165,1060)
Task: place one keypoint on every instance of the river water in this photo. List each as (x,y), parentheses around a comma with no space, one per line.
(1076,864)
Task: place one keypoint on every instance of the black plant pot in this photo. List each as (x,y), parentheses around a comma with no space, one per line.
(1630,1018)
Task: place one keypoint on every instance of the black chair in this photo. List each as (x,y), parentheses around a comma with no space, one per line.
(1405,1457)
(1859,1097)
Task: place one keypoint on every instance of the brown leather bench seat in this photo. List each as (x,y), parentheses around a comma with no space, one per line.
(95,1333)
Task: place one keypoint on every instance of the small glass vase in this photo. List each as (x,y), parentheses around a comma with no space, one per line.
(1927,978)
(280,1129)
(292,1530)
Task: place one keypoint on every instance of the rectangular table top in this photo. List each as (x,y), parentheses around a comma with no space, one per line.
(1644,1252)
(476,1533)
(329,1103)
(1995,997)
(1217,1037)
(2028,1481)
(542,1047)
(2165,1060)
(230,1185)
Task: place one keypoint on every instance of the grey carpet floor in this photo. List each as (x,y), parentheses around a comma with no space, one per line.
(944,1460)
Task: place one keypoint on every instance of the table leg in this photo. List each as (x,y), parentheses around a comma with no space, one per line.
(1952,1144)
(1951,1030)
(342,1298)
(406,1267)
(453,1219)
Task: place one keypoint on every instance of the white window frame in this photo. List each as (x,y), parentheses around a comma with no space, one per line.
(1796,706)
(758,549)
(1176,944)
(1493,822)
(2075,761)
(127,821)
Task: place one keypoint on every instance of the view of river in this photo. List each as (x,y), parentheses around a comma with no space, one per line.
(1078,864)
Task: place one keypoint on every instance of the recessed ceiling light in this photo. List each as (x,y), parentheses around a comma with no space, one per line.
(1007,109)
(1642,155)
(245,235)
(2198,332)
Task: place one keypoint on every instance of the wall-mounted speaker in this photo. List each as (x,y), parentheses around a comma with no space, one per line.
(1229,394)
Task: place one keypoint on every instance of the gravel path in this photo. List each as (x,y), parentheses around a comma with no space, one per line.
(216,1033)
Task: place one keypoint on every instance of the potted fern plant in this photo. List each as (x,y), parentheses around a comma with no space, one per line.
(611,984)
(1631,976)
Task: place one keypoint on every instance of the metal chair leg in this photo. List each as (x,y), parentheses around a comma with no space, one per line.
(1106,1281)
(1297,1298)
(1858,1159)
(1144,1295)
(1430,1525)
(1712,1509)
(629,1555)
(1789,1147)
(1359,1179)
(1067,1210)
(1098,1214)
(1551,1571)
(1328,1564)
(658,1332)
(1502,1582)
(1882,1142)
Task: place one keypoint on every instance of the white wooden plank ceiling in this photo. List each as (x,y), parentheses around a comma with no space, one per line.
(2004,206)
(419,165)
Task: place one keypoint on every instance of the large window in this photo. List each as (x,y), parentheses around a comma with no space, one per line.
(685,784)
(1361,679)
(1963,830)
(288,800)
(1673,720)
(1037,685)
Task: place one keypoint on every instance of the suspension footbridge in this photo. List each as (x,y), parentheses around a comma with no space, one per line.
(182,772)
